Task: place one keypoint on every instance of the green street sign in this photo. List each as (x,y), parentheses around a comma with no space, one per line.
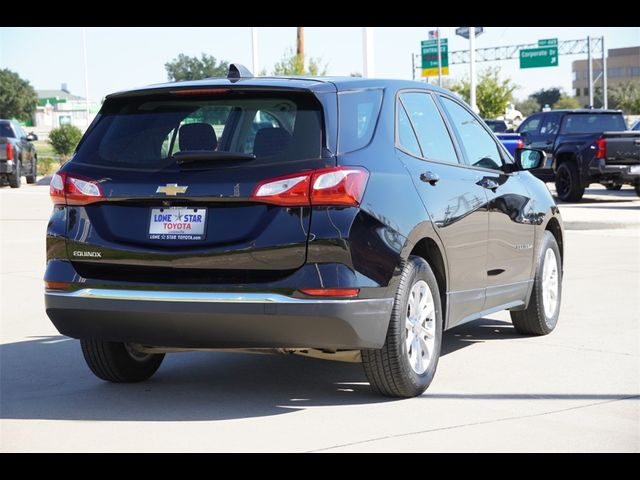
(539,57)
(548,42)
(430,57)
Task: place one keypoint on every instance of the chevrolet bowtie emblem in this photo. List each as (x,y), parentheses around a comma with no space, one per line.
(171,189)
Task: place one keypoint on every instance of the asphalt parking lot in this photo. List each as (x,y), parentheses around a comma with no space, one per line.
(575,390)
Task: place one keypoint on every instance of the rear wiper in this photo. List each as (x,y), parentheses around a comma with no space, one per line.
(205,155)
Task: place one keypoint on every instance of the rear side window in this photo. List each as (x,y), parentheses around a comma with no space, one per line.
(593,123)
(143,133)
(358,113)
(432,133)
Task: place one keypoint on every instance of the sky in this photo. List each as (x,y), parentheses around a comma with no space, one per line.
(126,57)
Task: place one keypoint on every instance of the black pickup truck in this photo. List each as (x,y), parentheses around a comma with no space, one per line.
(584,147)
(17,154)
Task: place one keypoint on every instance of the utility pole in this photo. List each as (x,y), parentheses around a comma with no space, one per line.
(300,46)
(590,62)
(439,58)
(413,67)
(472,68)
(86,73)
(367,53)
(254,51)
(605,95)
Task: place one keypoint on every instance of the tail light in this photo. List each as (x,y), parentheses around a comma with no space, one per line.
(69,189)
(330,186)
(601,145)
(331,292)
(9,151)
(520,145)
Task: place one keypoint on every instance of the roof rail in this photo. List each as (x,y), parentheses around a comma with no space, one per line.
(237,70)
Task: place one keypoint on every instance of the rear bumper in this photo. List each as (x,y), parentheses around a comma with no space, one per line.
(7,166)
(219,320)
(629,173)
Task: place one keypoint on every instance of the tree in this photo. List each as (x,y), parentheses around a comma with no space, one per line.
(185,67)
(18,99)
(547,96)
(626,97)
(293,64)
(528,106)
(64,139)
(567,102)
(493,94)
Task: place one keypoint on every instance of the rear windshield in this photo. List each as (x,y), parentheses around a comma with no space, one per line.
(5,130)
(143,133)
(593,123)
(358,113)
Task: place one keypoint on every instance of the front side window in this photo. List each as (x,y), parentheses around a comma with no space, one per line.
(530,125)
(429,126)
(480,148)
(406,136)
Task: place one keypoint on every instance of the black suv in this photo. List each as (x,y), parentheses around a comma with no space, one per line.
(343,218)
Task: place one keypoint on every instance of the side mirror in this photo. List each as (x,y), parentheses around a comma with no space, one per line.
(528,158)
(32,137)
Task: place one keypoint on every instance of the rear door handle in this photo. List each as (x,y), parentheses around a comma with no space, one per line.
(430,177)
(488,183)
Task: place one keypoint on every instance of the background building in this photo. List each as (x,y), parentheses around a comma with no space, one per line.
(60,107)
(623,65)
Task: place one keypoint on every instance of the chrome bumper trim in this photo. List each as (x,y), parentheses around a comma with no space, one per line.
(206,297)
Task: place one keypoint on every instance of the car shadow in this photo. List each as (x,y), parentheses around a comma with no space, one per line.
(46,180)
(46,378)
(599,196)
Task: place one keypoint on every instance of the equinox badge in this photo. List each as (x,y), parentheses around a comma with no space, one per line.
(171,189)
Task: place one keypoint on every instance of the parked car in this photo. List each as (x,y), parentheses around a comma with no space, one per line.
(18,155)
(509,139)
(368,217)
(584,146)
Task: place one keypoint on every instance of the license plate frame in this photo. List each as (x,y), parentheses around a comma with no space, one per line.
(161,217)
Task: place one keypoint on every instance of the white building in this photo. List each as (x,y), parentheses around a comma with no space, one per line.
(60,107)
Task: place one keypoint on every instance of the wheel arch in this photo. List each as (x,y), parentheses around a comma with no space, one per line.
(428,249)
(555,228)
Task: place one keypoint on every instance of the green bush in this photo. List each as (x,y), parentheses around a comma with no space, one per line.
(64,139)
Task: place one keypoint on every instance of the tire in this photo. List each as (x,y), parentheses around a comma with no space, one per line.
(389,369)
(15,180)
(116,362)
(568,186)
(31,179)
(637,187)
(541,316)
(613,186)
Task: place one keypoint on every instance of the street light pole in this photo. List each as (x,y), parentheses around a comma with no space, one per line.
(439,58)
(605,96)
(590,71)
(472,68)
(86,74)
(367,52)
(254,51)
